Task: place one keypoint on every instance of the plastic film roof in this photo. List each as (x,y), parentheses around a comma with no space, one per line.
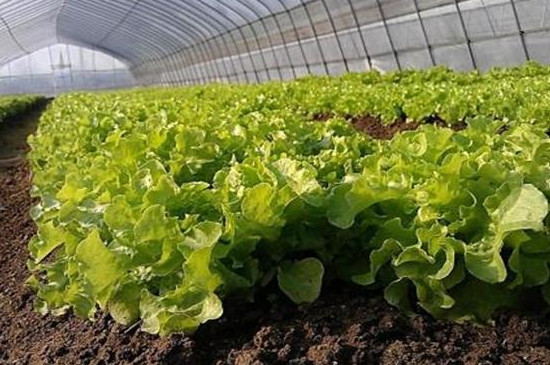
(132,30)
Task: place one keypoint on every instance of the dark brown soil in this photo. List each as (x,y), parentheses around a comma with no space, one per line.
(322,117)
(377,129)
(347,325)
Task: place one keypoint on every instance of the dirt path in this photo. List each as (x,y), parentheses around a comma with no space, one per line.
(347,325)
(13,136)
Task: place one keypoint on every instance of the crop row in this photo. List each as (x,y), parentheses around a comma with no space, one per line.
(13,106)
(157,204)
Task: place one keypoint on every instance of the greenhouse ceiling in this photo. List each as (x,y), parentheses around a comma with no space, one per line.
(132,30)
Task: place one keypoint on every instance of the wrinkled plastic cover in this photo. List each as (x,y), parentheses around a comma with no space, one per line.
(197,41)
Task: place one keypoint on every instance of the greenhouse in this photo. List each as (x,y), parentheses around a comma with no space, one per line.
(274,182)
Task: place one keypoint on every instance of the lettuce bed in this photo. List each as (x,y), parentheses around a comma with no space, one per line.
(157,204)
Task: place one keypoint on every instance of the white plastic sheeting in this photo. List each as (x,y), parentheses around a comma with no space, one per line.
(62,68)
(336,36)
(172,42)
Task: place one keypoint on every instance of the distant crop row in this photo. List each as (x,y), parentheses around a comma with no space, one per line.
(13,106)
(157,204)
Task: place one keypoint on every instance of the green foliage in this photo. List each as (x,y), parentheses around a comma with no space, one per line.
(301,280)
(155,204)
(11,106)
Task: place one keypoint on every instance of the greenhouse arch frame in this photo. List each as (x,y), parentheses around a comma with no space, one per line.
(180,42)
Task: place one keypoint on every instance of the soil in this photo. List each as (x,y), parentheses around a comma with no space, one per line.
(347,325)
(377,129)
(14,132)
